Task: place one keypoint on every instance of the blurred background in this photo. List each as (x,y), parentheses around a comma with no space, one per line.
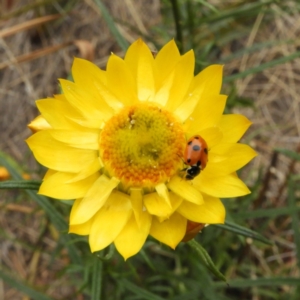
(258,42)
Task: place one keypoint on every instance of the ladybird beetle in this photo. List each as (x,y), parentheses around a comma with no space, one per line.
(195,156)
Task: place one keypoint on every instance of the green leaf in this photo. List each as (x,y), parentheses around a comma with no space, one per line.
(262,67)
(295,217)
(55,216)
(142,293)
(263,213)
(235,228)
(245,283)
(96,279)
(206,259)
(237,12)
(22,287)
(21,184)
(106,255)
(289,153)
(111,25)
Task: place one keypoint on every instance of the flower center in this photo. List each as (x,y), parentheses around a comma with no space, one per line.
(142,145)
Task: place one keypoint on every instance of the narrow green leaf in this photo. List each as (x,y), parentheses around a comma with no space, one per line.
(255,48)
(21,184)
(106,255)
(111,25)
(22,287)
(289,153)
(263,67)
(142,293)
(263,213)
(237,12)
(295,217)
(96,279)
(245,283)
(178,24)
(56,218)
(208,5)
(235,228)
(206,259)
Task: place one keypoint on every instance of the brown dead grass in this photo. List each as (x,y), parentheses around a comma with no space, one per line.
(31,61)
(26,74)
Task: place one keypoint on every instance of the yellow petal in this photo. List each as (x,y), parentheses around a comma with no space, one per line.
(108,96)
(238,155)
(157,205)
(58,156)
(169,232)
(233,127)
(140,61)
(57,112)
(89,81)
(110,221)
(165,62)
(211,212)
(81,229)
(38,124)
(211,79)
(91,73)
(163,192)
(136,198)
(206,114)
(206,83)
(132,238)
(222,187)
(49,173)
(120,80)
(57,186)
(87,102)
(184,73)
(94,199)
(212,136)
(163,94)
(186,108)
(185,189)
(88,139)
(90,169)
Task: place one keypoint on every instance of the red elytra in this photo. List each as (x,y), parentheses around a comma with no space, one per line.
(196,153)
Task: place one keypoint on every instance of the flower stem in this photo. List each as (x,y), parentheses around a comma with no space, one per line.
(96,279)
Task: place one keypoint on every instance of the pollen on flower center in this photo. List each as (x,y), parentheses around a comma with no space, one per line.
(142,145)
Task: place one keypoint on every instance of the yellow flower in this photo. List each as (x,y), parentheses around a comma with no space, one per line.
(4,174)
(115,142)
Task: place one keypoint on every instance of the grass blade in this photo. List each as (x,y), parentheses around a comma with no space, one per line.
(21,184)
(206,259)
(263,67)
(295,217)
(289,153)
(55,216)
(235,228)
(22,287)
(97,279)
(263,213)
(142,293)
(246,283)
(111,25)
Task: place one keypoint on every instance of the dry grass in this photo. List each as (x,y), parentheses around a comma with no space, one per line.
(26,242)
